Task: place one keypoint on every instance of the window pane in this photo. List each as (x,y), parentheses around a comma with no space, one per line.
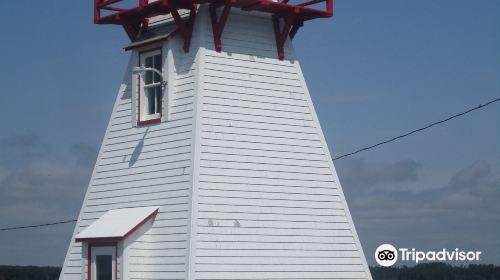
(149,74)
(150,96)
(158,98)
(157,66)
(104,267)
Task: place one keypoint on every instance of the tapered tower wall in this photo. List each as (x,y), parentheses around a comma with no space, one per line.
(269,203)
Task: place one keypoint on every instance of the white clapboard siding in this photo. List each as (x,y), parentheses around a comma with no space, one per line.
(239,168)
(269,205)
(146,166)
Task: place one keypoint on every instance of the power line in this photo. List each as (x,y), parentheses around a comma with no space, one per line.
(480,106)
(40,225)
(418,130)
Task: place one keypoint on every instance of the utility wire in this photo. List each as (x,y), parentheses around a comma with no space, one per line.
(40,225)
(480,106)
(418,130)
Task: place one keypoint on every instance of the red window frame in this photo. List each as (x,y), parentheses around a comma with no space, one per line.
(89,256)
(156,120)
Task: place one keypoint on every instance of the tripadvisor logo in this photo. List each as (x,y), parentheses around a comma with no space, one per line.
(387,255)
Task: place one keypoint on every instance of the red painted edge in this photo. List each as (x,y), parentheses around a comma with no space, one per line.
(99,239)
(151,216)
(152,121)
(166,38)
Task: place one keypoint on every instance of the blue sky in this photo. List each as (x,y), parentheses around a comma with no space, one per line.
(375,70)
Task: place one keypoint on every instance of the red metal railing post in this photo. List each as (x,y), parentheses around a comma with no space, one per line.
(187,38)
(281,34)
(97,11)
(329,7)
(218,25)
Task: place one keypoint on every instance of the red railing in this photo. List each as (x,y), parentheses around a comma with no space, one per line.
(135,17)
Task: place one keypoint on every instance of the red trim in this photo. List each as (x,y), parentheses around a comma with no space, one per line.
(166,38)
(143,222)
(157,120)
(282,34)
(187,30)
(89,257)
(218,25)
(100,240)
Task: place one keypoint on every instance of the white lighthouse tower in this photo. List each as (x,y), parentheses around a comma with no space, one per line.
(214,165)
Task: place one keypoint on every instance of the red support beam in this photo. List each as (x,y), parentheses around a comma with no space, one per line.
(107,3)
(186,29)
(218,25)
(114,9)
(97,11)
(192,17)
(312,2)
(250,6)
(132,28)
(298,24)
(134,18)
(281,34)
(329,8)
(178,20)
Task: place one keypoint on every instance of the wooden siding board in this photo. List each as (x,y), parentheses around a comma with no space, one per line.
(237,209)
(237,217)
(255,89)
(243,143)
(138,191)
(270,160)
(216,113)
(279,274)
(245,152)
(278,260)
(171,154)
(306,190)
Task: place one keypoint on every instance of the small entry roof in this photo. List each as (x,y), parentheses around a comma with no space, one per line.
(117,224)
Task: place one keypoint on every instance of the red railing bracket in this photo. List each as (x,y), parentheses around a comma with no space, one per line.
(281,34)
(186,29)
(132,28)
(218,24)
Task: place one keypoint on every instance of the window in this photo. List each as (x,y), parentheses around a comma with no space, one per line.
(103,260)
(150,88)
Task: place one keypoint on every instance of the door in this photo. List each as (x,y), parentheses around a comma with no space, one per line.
(103,263)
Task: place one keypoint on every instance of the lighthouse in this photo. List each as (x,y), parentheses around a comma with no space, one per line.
(213,165)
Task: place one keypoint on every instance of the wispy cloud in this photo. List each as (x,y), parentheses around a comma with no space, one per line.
(386,208)
(40,183)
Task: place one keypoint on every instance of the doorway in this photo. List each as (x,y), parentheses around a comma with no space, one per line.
(103,263)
